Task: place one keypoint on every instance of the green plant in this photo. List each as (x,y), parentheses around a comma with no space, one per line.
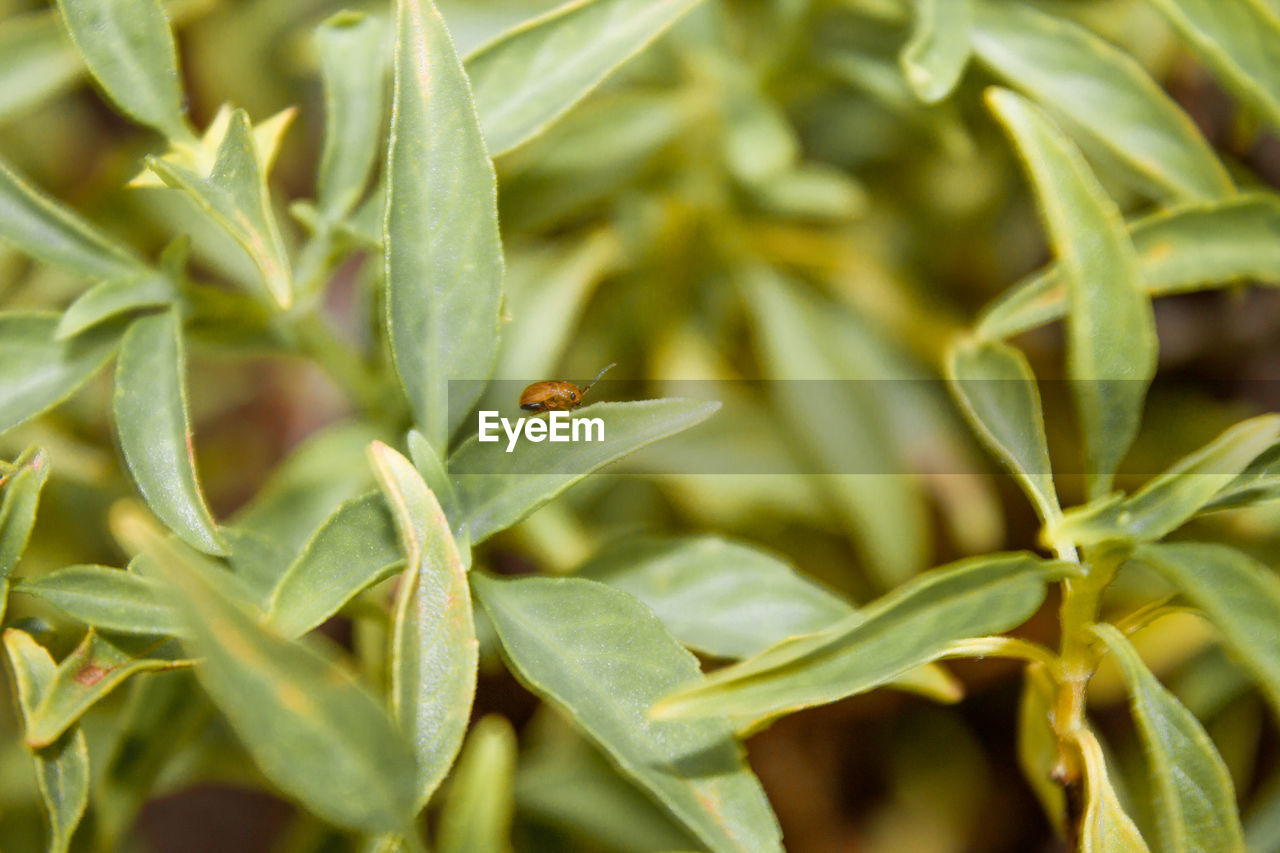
(693,166)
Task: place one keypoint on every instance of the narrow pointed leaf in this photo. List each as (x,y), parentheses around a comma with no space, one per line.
(41,227)
(1104,828)
(1167,501)
(997,392)
(1194,798)
(1111,337)
(234,194)
(604,658)
(1257,484)
(716,596)
(62,768)
(444,255)
(435,475)
(1238,594)
(112,298)
(1239,40)
(99,665)
(477,812)
(312,729)
(729,600)
(496,489)
(936,55)
(434,652)
(38,371)
(155,430)
(1103,91)
(129,49)
(528,77)
(910,626)
(1192,247)
(19,498)
(353,68)
(353,549)
(105,598)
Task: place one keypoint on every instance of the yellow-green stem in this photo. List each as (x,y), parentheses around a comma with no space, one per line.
(1079,657)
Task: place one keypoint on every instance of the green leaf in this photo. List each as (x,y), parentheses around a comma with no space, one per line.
(234,194)
(115,296)
(353,68)
(478,808)
(38,371)
(997,392)
(434,652)
(150,408)
(42,228)
(564,780)
(1238,594)
(1259,483)
(129,49)
(100,664)
(1191,247)
(436,476)
(828,401)
(62,768)
(312,729)
(1111,336)
(1194,798)
(1104,828)
(730,600)
(1167,501)
(531,75)
(104,598)
(938,51)
(716,596)
(496,489)
(1038,745)
(1103,91)
(36,62)
(444,255)
(604,658)
(353,549)
(18,502)
(1239,40)
(912,625)
(328,468)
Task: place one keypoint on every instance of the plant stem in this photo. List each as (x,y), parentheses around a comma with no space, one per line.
(1079,657)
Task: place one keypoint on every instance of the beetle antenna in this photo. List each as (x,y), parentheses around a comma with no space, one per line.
(597,379)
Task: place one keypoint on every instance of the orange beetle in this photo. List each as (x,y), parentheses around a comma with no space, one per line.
(556,395)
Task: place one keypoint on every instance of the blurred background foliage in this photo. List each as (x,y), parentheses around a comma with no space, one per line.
(758,195)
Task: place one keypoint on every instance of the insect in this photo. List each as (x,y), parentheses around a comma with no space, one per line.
(556,395)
